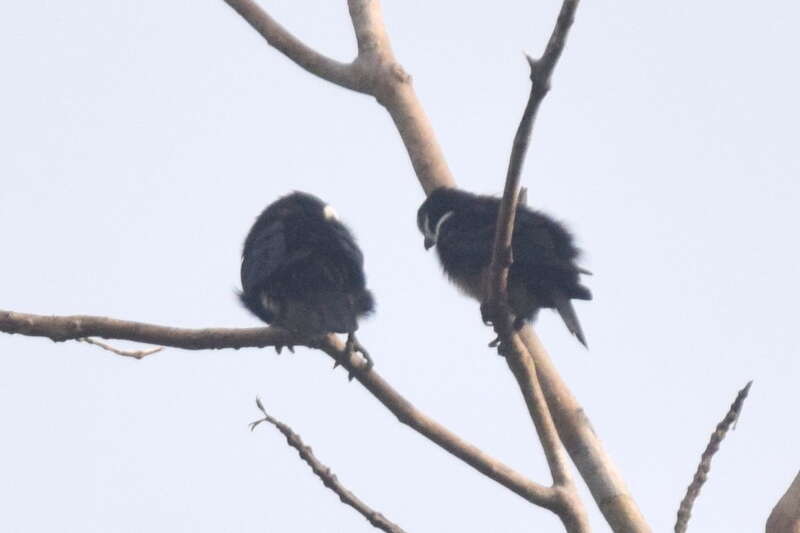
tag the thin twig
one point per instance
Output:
(328, 478)
(63, 328)
(136, 354)
(574, 430)
(700, 476)
(496, 304)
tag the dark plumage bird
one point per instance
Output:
(543, 275)
(303, 271)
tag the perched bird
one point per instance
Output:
(543, 275)
(303, 271)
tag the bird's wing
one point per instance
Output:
(465, 242)
(539, 243)
(264, 255)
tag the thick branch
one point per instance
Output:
(62, 328)
(785, 517)
(343, 74)
(584, 447)
(328, 478)
(374, 71)
(700, 476)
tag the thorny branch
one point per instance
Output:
(63, 328)
(685, 509)
(328, 478)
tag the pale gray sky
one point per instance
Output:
(140, 139)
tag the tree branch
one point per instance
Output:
(700, 476)
(785, 517)
(430, 166)
(63, 328)
(328, 478)
(583, 445)
(342, 74)
(496, 304)
(374, 71)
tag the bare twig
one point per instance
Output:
(575, 432)
(700, 476)
(63, 328)
(785, 516)
(136, 354)
(496, 305)
(328, 478)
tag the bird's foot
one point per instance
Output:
(279, 348)
(352, 346)
(486, 314)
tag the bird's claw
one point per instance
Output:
(486, 314)
(279, 348)
(352, 346)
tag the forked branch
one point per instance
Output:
(63, 328)
(572, 513)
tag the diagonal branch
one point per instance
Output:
(496, 304)
(328, 478)
(785, 516)
(63, 328)
(342, 74)
(700, 476)
(374, 71)
(574, 429)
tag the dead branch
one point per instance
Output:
(328, 478)
(342, 74)
(374, 71)
(583, 445)
(496, 305)
(136, 354)
(63, 328)
(700, 476)
(785, 516)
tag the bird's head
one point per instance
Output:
(437, 209)
(300, 204)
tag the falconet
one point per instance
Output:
(303, 271)
(544, 273)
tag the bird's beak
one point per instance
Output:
(428, 243)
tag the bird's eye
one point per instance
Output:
(329, 213)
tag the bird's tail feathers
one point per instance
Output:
(567, 312)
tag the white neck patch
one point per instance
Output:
(441, 221)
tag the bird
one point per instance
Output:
(303, 271)
(544, 272)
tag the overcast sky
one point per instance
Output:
(140, 139)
